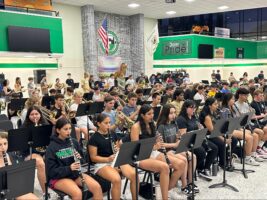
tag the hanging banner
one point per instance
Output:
(108, 65)
(34, 4)
(222, 32)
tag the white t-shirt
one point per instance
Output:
(130, 81)
(82, 120)
(111, 82)
(199, 97)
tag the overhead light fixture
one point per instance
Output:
(189, 0)
(170, 12)
(264, 37)
(133, 5)
(223, 7)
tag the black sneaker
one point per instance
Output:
(205, 174)
(187, 190)
(196, 189)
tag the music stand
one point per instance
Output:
(243, 121)
(76, 85)
(189, 142)
(41, 135)
(19, 140)
(17, 179)
(132, 152)
(156, 112)
(47, 101)
(17, 104)
(88, 96)
(147, 91)
(83, 110)
(164, 99)
(224, 127)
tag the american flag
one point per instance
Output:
(103, 33)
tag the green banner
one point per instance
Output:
(177, 47)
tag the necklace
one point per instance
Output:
(105, 136)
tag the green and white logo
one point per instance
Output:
(113, 43)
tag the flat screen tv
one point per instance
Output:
(205, 51)
(25, 39)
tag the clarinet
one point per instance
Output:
(163, 149)
(84, 185)
(5, 158)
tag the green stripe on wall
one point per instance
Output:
(28, 65)
(210, 65)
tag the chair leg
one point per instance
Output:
(46, 191)
(125, 185)
(108, 194)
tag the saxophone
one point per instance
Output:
(77, 160)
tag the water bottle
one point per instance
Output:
(214, 169)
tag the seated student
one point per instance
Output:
(207, 118)
(200, 94)
(178, 100)
(69, 95)
(169, 132)
(251, 143)
(241, 106)
(82, 120)
(102, 145)
(97, 97)
(205, 154)
(131, 109)
(116, 120)
(63, 171)
(145, 128)
(140, 93)
(258, 106)
(3, 162)
(213, 90)
(32, 101)
(33, 118)
(156, 99)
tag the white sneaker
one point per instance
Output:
(261, 153)
(251, 161)
(174, 194)
(258, 158)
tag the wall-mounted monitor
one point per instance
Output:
(205, 51)
(26, 39)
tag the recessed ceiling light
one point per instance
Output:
(189, 0)
(133, 5)
(170, 12)
(223, 7)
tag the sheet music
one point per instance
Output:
(115, 159)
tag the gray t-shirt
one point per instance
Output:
(168, 132)
(241, 108)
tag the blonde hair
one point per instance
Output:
(78, 93)
(3, 134)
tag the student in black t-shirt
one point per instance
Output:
(70, 81)
(170, 135)
(260, 114)
(102, 147)
(187, 122)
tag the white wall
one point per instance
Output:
(72, 61)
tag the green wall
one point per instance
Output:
(51, 23)
(252, 50)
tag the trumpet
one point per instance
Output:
(47, 114)
(128, 122)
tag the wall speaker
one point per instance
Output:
(38, 75)
(205, 51)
